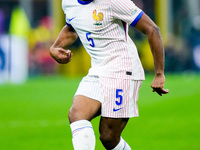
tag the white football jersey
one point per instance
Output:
(102, 26)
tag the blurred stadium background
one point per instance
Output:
(36, 92)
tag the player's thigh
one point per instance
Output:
(112, 127)
(84, 108)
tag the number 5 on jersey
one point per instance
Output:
(90, 39)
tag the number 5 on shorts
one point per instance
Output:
(118, 95)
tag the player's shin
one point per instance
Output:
(122, 145)
(83, 135)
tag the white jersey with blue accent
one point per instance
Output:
(102, 26)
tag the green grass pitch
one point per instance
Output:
(33, 116)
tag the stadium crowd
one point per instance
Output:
(182, 48)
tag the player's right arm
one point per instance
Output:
(58, 50)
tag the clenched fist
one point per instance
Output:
(61, 55)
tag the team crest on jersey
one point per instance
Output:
(98, 17)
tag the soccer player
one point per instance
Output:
(111, 87)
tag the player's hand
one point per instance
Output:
(158, 85)
(61, 55)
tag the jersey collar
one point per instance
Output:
(84, 2)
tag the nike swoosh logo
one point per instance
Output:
(117, 109)
(72, 18)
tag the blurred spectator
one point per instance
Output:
(194, 40)
(177, 55)
(40, 62)
(2, 20)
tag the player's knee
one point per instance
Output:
(105, 138)
(72, 115)
(109, 139)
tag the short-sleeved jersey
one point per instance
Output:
(102, 26)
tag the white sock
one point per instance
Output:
(83, 137)
(122, 145)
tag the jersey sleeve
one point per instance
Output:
(126, 11)
(67, 21)
(63, 8)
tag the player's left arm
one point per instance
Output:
(58, 50)
(152, 31)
